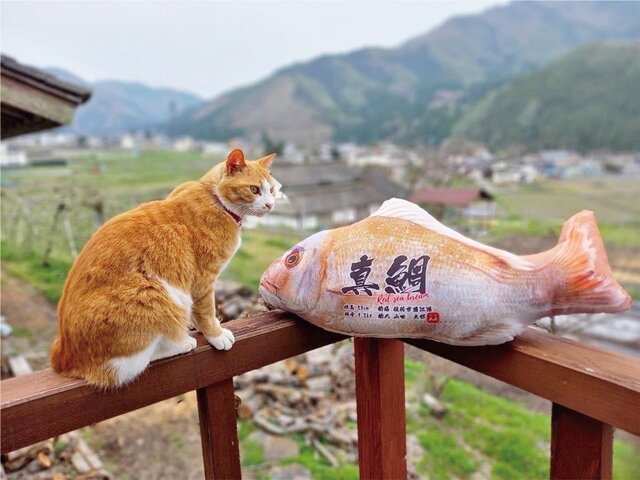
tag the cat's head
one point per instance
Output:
(246, 187)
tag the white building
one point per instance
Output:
(214, 149)
(12, 158)
(184, 144)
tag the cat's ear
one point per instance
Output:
(266, 161)
(235, 162)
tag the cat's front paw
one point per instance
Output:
(224, 341)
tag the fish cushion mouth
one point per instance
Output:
(301, 290)
(269, 297)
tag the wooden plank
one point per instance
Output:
(599, 383)
(51, 86)
(218, 430)
(37, 102)
(581, 447)
(37, 406)
(19, 366)
(382, 439)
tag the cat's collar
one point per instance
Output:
(237, 218)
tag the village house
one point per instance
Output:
(215, 149)
(11, 157)
(503, 173)
(468, 203)
(328, 194)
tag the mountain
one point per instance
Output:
(409, 93)
(118, 107)
(588, 99)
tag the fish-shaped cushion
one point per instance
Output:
(401, 273)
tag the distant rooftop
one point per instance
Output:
(297, 175)
(331, 186)
(454, 197)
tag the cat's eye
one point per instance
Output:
(293, 258)
(255, 190)
(272, 190)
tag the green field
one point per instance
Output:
(613, 199)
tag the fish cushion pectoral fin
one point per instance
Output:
(492, 334)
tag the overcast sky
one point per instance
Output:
(206, 47)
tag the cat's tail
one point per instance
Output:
(587, 283)
(56, 357)
(100, 375)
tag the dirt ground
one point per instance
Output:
(33, 319)
(161, 441)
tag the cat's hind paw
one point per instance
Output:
(224, 341)
(189, 344)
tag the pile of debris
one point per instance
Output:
(312, 395)
(64, 457)
(234, 301)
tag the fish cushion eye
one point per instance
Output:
(293, 258)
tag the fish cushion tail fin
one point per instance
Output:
(588, 283)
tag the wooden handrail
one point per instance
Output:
(592, 390)
(598, 383)
(41, 405)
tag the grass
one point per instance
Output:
(252, 455)
(444, 458)
(22, 332)
(251, 451)
(626, 461)
(627, 235)
(320, 468)
(612, 200)
(481, 428)
(178, 441)
(258, 250)
(49, 280)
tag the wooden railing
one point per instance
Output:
(592, 391)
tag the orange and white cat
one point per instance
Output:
(146, 274)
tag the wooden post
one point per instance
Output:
(382, 442)
(581, 446)
(218, 431)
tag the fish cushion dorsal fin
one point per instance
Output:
(405, 210)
